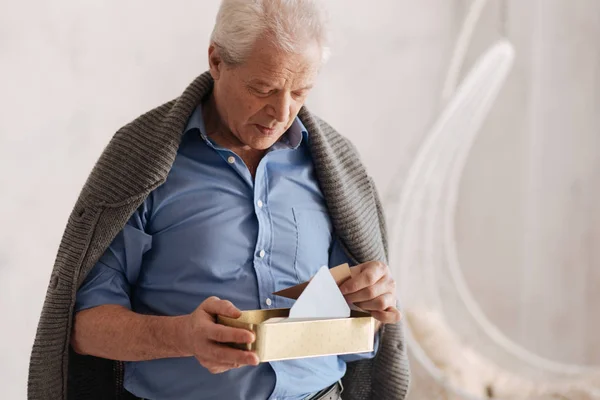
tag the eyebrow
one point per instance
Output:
(260, 82)
(307, 87)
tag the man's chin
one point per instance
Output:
(261, 142)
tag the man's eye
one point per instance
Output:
(299, 94)
(262, 92)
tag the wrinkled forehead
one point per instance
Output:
(266, 65)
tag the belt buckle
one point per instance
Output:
(326, 392)
(336, 388)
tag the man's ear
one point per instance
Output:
(215, 61)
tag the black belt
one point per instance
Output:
(331, 393)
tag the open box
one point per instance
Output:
(305, 338)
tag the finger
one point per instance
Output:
(219, 368)
(380, 303)
(226, 334)
(390, 316)
(214, 305)
(369, 293)
(368, 275)
(219, 353)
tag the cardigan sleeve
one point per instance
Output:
(110, 281)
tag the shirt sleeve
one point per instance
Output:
(338, 256)
(111, 279)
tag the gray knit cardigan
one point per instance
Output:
(136, 161)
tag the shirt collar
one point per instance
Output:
(196, 121)
(291, 139)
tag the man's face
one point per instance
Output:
(259, 99)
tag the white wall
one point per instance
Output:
(529, 211)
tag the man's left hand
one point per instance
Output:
(373, 289)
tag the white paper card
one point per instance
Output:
(321, 299)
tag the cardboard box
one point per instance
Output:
(305, 338)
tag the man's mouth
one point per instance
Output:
(266, 130)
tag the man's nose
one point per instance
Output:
(280, 107)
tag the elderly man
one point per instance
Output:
(205, 206)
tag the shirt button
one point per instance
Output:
(262, 253)
(269, 302)
(259, 204)
(231, 159)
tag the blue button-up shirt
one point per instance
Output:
(213, 230)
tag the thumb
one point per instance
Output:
(356, 270)
(214, 305)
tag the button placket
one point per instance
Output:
(262, 252)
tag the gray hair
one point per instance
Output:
(290, 24)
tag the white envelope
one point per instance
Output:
(321, 299)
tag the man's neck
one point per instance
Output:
(217, 131)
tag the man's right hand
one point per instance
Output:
(206, 338)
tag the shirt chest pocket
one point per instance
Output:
(313, 241)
